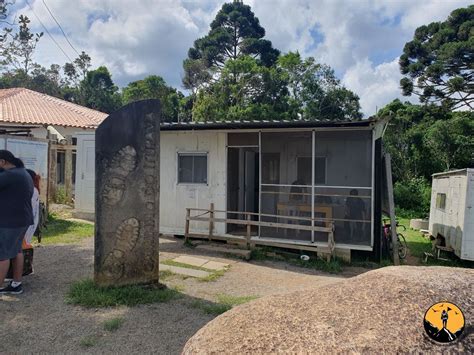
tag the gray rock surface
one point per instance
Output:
(380, 311)
(127, 195)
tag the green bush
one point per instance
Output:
(412, 197)
(61, 196)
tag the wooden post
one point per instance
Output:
(68, 173)
(211, 222)
(186, 228)
(52, 174)
(391, 207)
(249, 230)
(331, 242)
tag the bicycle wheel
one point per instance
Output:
(402, 246)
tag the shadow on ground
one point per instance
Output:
(41, 321)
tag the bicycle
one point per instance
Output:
(402, 244)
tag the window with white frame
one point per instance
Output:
(192, 168)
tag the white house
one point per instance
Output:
(39, 129)
(322, 170)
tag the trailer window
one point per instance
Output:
(441, 201)
(192, 168)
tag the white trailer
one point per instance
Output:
(452, 211)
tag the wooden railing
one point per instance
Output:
(254, 219)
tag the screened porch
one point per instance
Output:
(321, 176)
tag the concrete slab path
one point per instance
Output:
(191, 260)
(184, 271)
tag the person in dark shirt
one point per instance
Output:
(355, 213)
(16, 215)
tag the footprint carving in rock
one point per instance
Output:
(126, 238)
(123, 163)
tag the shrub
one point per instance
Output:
(412, 197)
(61, 196)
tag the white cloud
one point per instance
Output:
(377, 85)
(133, 39)
(136, 38)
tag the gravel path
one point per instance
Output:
(41, 321)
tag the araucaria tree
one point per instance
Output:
(438, 63)
(234, 74)
(235, 32)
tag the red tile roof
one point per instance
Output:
(24, 106)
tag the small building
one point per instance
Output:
(31, 121)
(310, 173)
(452, 211)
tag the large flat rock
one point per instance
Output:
(378, 312)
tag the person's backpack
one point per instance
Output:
(42, 221)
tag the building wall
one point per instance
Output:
(174, 197)
(468, 237)
(41, 132)
(449, 222)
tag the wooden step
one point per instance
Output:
(242, 253)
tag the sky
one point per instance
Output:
(361, 39)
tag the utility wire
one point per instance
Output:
(64, 34)
(49, 34)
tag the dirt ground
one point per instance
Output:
(41, 321)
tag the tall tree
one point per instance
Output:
(316, 92)
(424, 140)
(245, 90)
(451, 142)
(154, 87)
(18, 47)
(74, 74)
(78, 69)
(99, 91)
(235, 32)
(438, 62)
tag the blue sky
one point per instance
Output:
(360, 39)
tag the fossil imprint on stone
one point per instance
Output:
(126, 238)
(122, 164)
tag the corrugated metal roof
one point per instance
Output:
(454, 172)
(245, 124)
(24, 106)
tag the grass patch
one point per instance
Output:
(165, 274)
(88, 341)
(189, 244)
(224, 304)
(186, 266)
(334, 266)
(213, 274)
(113, 324)
(261, 253)
(86, 293)
(61, 231)
(214, 309)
